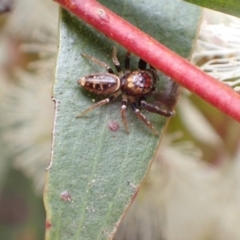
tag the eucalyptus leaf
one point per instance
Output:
(231, 7)
(95, 167)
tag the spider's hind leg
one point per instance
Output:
(96, 105)
(123, 112)
(116, 62)
(100, 63)
(99, 104)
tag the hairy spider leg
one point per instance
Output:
(100, 63)
(123, 112)
(116, 62)
(127, 61)
(143, 118)
(155, 109)
(99, 104)
(142, 65)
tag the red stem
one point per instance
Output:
(213, 91)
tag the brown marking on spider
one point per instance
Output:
(134, 86)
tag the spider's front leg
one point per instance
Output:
(143, 118)
(155, 109)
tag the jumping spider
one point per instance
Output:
(133, 85)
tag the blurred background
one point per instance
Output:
(28, 46)
(198, 162)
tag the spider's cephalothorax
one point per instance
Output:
(133, 85)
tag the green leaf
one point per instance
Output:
(231, 7)
(94, 169)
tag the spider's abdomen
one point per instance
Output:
(137, 83)
(100, 83)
